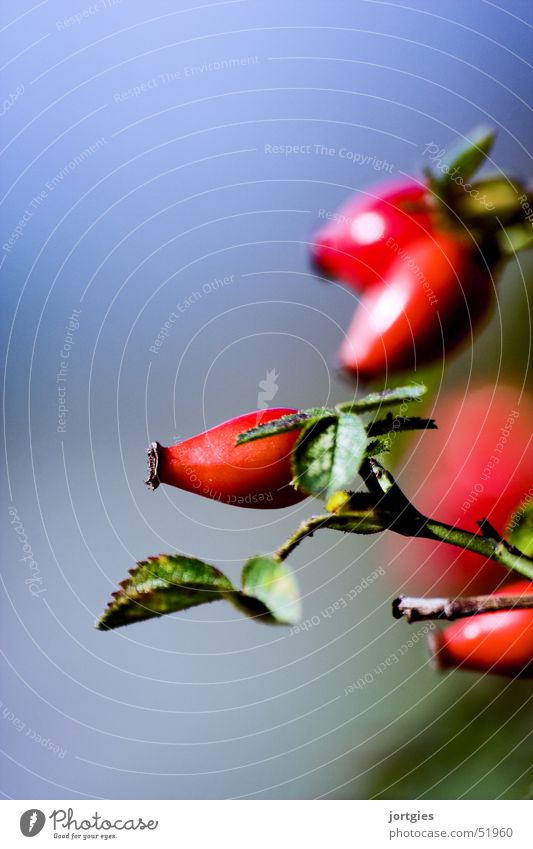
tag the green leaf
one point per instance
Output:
(466, 157)
(520, 530)
(268, 592)
(162, 585)
(491, 202)
(291, 421)
(397, 424)
(328, 454)
(387, 398)
(174, 582)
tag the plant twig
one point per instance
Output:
(393, 511)
(410, 522)
(498, 549)
(306, 529)
(362, 521)
(419, 609)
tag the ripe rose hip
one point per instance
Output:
(257, 474)
(500, 642)
(478, 464)
(353, 246)
(433, 295)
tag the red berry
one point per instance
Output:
(360, 242)
(478, 464)
(501, 642)
(433, 295)
(257, 474)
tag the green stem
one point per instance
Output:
(386, 507)
(410, 525)
(353, 522)
(306, 529)
(495, 549)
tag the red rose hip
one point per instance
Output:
(434, 294)
(358, 244)
(256, 474)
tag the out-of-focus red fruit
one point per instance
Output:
(360, 241)
(478, 464)
(256, 474)
(434, 294)
(500, 643)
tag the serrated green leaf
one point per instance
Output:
(164, 584)
(387, 398)
(520, 530)
(268, 592)
(291, 421)
(465, 158)
(173, 582)
(328, 454)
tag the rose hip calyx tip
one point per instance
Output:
(152, 481)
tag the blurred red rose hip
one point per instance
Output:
(434, 295)
(478, 464)
(352, 247)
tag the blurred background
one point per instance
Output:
(145, 172)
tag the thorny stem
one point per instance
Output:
(420, 609)
(394, 511)
(495, 549)
(410, 522)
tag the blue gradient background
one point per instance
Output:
(180, 192)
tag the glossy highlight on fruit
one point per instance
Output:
(435, 293)
(358, 243)
(500, 643)
(256, 474)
